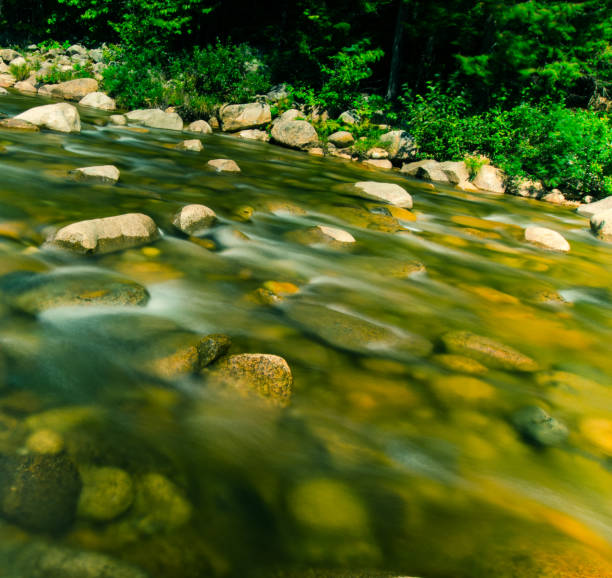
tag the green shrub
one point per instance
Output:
(20, 71)
(55, 75)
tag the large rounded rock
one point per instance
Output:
(411, 169)
(37, 292)
(107, 493)
(155, 118)
(25, 87)
(487, 351)
(98, 100)
(590, 209)
(106, 174)
(39, 492)
(546, 238)
(341, 139)
(387, 192)
(194, 219)
(296, 134)
(200, 126)
(8, 54)
(538, 428)
(62, 117)
(350, 332)
(399, 144)
(108, 234)
(267, 376)
(236, 117)
(601, 224)
(490, 179)
(75, 89)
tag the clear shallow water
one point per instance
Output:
(387, 460)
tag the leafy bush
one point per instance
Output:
(55, 75)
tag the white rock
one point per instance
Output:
(98, 100)
(336, 234)
(200, 126)
(193, 219)
(190, 145)
(224, 165)
(379, 163)
(18, 61)
(546, 238)
(108, 234)
(388, 192)
(156, 118)
(297, 134)
(235, 117)
(62, 117)
(490, 179)
(601, 224)
(118, 119)
(590, 209)
(105, 174)
(25, 87)
(254, 134)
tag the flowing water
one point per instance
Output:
(394, 457)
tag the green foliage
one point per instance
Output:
(474, 163)
(55, 75)
(20, 71)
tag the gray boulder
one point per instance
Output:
(105, 174)
(236, 117)
(108, 234)
(75, 89)
(399, 144)
(590, 209)
(25, 87)
(193, 145)
(411, 169)
(341, 139)
(296, 134)
(601, 224)
(387, 192)
(547, 238)
(200, 126)
(156, 118)
(61, 117)
(490, 179)
(8, 54)
(254, 134)
(349, 117)
(193, 219)
(98, 100)
(224, 165)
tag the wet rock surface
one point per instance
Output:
(539, 428)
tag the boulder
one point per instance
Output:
(291, 114)
(490, 179)
(61, 117)
(7, 80)
(399, 144)
(234, 117)
(117, 119)
(3, 91)
(387, 192)
(98, 100)
(254, 134)
(601, 224)
(377, 153)
(96, 54)
(39, 492)
(546, 238)
(487, 351)
(334, 234)
(433, 173)
(76, 49)
(193, 145)
(17, 124)
(411, 169)
(37, 292)
(105, 174)
(18, 61)
(46, 90)
(8, 54)
(379, 163)
(349, 117)
(590, 209)
(200, 126)
(538, 428)
(194, 219)
(341, 139)
(266, 376)
(296, 134)
(155, 118)
(75, 89)
(224, 165)
(25, 87)
(527, 188)
(278, 92)
(107, 234)
(458, 174)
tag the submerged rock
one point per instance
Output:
(224, 165)
(212, 347)
(98, 100)
(106, 174)
(107, 234)
(538, 428)
(107, 493)
(334, 234)
(61, 117)
(194, 219)
(349, 332)
(236, 117)
(156, 118)
(18, 124)
(37, 292)
(193, 145)
(601, 224)
(267, 376)
(487, 351)
(546, 238)
(39, 492)
(387, 192)
(45, 441)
